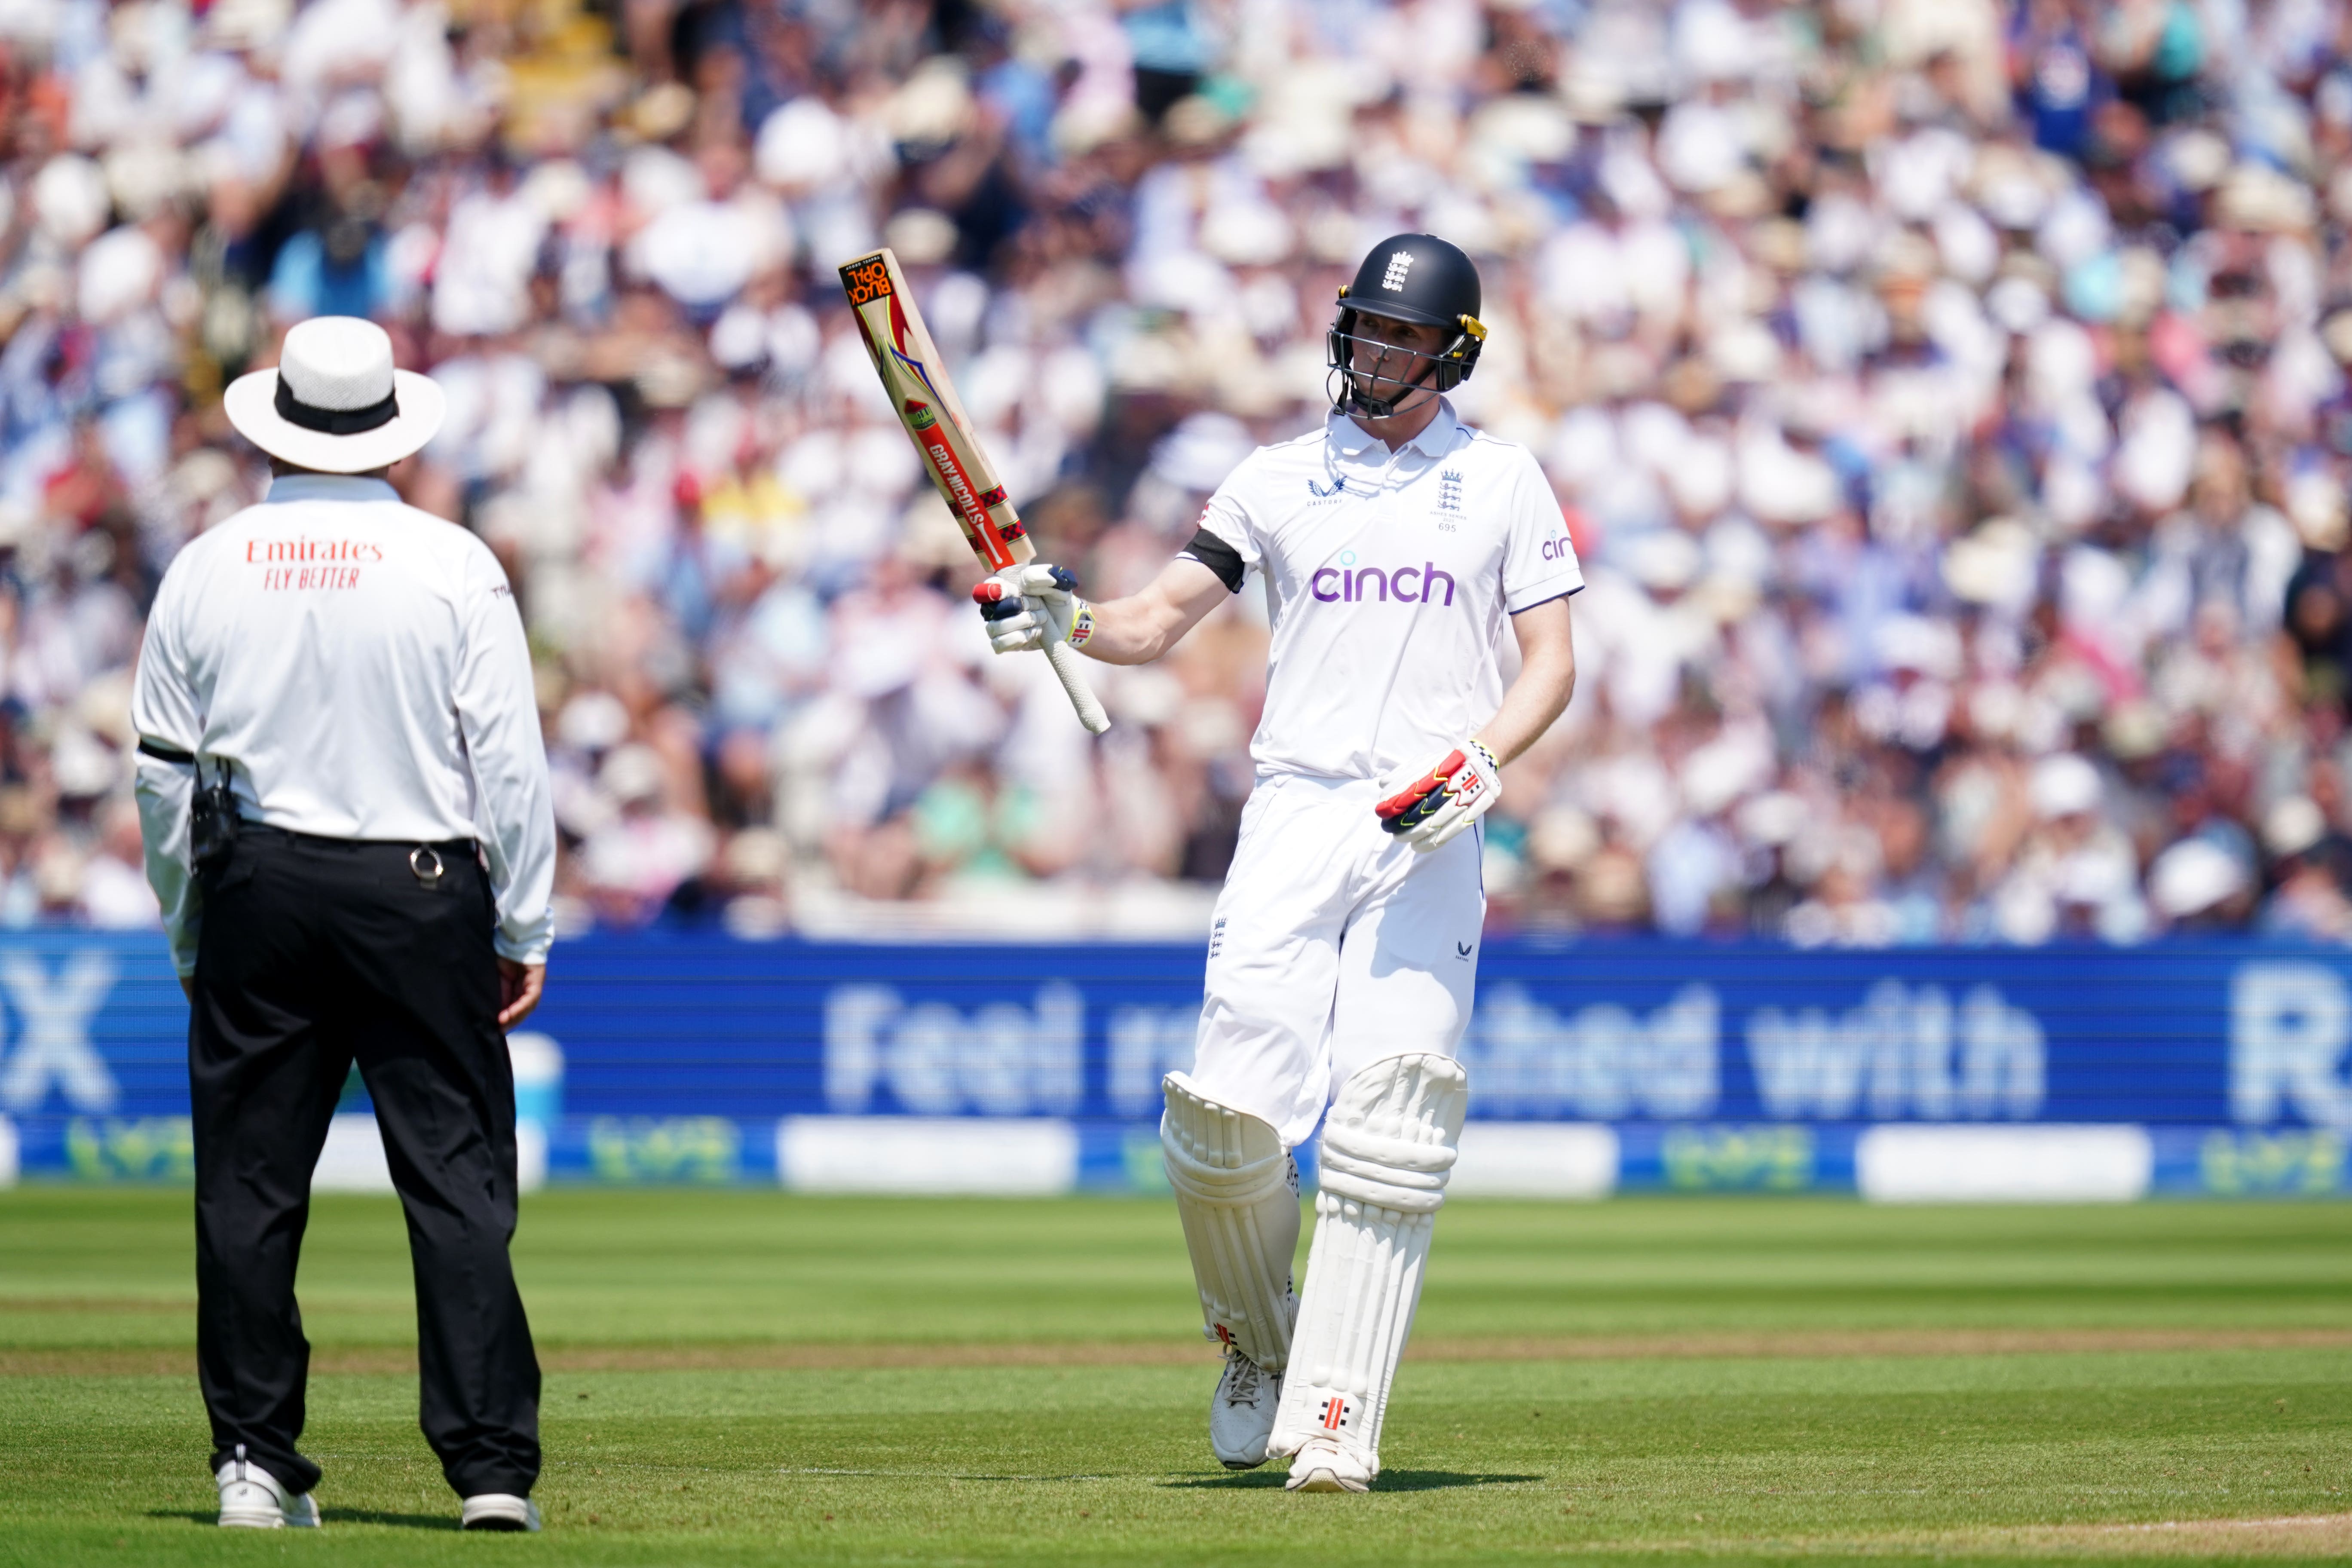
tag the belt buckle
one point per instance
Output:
(425, 862)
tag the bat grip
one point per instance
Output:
(1066, 663)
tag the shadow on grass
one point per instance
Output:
(333, 1516)
(400, 1520)
(1439, 1480)
(1390, 1481)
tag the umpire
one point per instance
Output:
(345, 804)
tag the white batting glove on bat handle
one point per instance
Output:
(1027, 606)
(1446, 799)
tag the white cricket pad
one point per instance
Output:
(1388, 1145)
(1237, 1192)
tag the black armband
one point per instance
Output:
(164, 754)
(1219, 557)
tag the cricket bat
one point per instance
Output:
(909, 363)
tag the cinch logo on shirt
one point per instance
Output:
(1348, 583)
(1558, 550)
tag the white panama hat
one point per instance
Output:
(334, 403)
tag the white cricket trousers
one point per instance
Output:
(1333, 945)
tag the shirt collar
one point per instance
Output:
(1435, 438)
(329, 487)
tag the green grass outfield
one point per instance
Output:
(743, 1377)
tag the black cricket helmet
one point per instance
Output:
(1415, 278)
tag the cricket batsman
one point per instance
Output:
(1395, 543)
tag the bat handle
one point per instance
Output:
(1066, 663)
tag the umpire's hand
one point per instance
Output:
(518, 988)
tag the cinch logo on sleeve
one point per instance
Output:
(1558, 550)
(1348, 583)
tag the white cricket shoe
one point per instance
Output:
(1325, 1466)
(499, 1510)
(1241, 1413)
(252, 1499)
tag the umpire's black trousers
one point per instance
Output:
(313, 952)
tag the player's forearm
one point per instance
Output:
(1025, 605)
(1142, 627)
(1539, 696)
(1133, 630)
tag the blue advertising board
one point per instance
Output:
(700, 1058)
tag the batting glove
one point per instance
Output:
(1446, 799)
(1028, 607)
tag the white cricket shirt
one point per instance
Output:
(360, 668)
(1388, 577)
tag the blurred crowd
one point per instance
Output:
(1947, 397)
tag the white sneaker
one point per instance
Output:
(1325, 1466)
(1241, 1413)
(499, 1510)
(252, 1499)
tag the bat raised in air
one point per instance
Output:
(909, 363)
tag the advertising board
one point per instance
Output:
(2084, 1072)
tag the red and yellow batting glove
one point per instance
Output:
(1446, 799)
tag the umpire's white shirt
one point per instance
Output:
(1388, 577)
(362, 668)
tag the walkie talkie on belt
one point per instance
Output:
(211, 812)
(212, 819)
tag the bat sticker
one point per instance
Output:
(866, 283)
